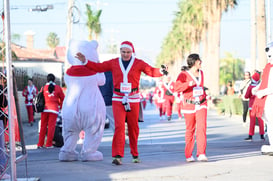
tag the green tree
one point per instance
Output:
(52, 40)
(15, 37)
(197, 23)
(3, 52)
(93, 22)
(231, 68)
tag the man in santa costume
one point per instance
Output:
(83, 107)
(169, 97)
(179, 103)
(126, 71)
(159, 99)
(262, 106)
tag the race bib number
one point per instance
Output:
(197, 91)
(125, 87)
(30, 97)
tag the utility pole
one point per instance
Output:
(268, 24)
(68, 30)
(253, 38)
(261, 33)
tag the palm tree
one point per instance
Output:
(52, 40)
(261, 33)
(197, 22)
(214, 10)
(253, 44)
(93, 22)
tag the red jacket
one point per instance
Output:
(169, 88)
(29, 93)
(249, 95)
(182, 85)
(53, 101)
(159, 94)
(115, 66)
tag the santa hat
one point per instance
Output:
(256, 77)
(127, 44)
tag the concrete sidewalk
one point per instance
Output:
(161, 149)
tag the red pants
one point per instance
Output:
(144, 104)
(30, 114)
(120, 115)
(162, 109)
(48, 123)
(169, 104)
(252, 125)
(178, 107)
(196, 121)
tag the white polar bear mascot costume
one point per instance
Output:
(263, 103)
(83, 106)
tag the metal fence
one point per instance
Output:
(39, 80)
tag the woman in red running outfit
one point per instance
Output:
(54, 97)
(191, 83)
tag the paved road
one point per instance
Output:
(161, 148)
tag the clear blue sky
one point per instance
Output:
(145, 23)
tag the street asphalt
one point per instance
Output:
(161, 148)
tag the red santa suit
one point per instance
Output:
(29, 93)
(169, 97)
(179, 103)
(125, 80)
(160, 100)
(194, 109)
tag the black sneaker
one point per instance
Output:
(136, 159)
(117, 160)
(262, 137)
(249, 138)
(107, 125)
(169, 118)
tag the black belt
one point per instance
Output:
(195, 102)
(133, 90)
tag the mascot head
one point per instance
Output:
(87, 48)
(269, 52)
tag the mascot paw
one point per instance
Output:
(267, 150)
(95, 156)
(68, 156)
(164, 69)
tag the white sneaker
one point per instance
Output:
(202, 158)
(5, 176)
(191, 159)
(80, 141)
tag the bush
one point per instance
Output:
(230, 105)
